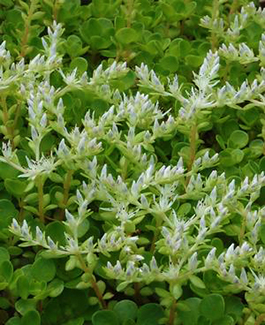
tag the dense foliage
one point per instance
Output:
(132, 182)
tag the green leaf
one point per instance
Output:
(169, 63)
(79, 63)
(256, 146)
(150, 314)
(56, 231)
(190, 317)
(195, 280)
(234, 307)
(6, 3)
(43, 269)
(238, 139)
(4, 303)
(47, 143)
(249, 116)
(184, 209)
(226, 320)
(262, 233)
(177, 291)
(14, 321)
(213, 282)
(77, 321)
(194, 61)
(122, 286)
(23, 306)
(126, 35)
(23, 286)
(7, 171)
(4, 255)
(212, 307)
(83, 228)
(237, 156)
(90, 28)
(184, 48)
(15, 186)
(220, 141)
(146, 291)
(73, 45)
(227, 130)
(104, 317)
(203, 321)
(31, 317)
(128, 322)
(7, 211)
(55, 288)
(226, 158)
(6, 270)
(162, 292)
(218, 243)
(183, 306)
(126, 309)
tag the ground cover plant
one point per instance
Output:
(132, 162)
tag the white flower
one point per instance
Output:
(44, 166)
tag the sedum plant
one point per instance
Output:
(136, 207)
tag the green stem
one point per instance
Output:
(16, 116)
(56, 8)
(215, 13)
(40, 196)
(159, 220)
(260, 319)
(10, 130)
(124, 170)
(92, 281)
(137, 296)
(25, 37)
(243, 227)
(193, 138)
(172, 313)
(67, 185)
(233, 8)
(21, 211)
(129, 12)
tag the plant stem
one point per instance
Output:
(16, 116)
(21, 211)
(98, 294)
(56, 8)
(260, 319)
(25, 36)
(40, 195)
(92, 281)
(193, 138)
(172, 313)
(159, 219)
(243, 227)
(137, 293)
(233, 8)
(215, 13)
(10, 131)
(129, 12)
(66, 186)
(124, 170)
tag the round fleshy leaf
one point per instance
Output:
(238, 139)
(126, 309)
(126, 35)
(212, 307)
(150, 314)
(31, 317)
(104, 317)
(43, 269)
